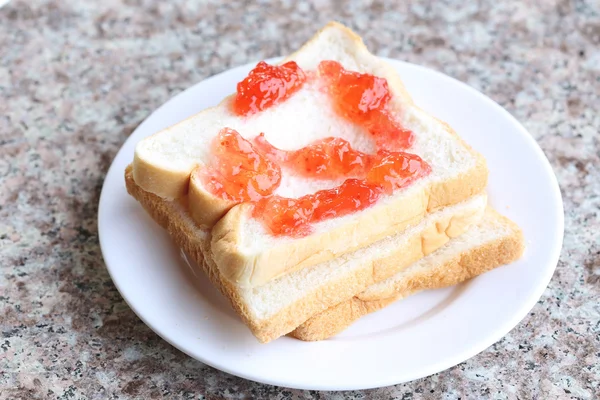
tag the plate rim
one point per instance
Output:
(444, 364)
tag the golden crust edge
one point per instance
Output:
(459, 268)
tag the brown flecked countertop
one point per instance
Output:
(77, 77)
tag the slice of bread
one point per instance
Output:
(241, 249)
(494, 241)
(281, 305)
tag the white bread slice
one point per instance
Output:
(241, 248)
(278, 307)
(493, 242)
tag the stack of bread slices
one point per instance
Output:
(437, 231)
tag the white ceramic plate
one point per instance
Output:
(413, 338)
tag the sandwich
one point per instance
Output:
(316, 181)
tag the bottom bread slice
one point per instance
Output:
(278, 307)
(493, 242)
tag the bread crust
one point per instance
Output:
(174, 217)
(459, 268)
(169, 184)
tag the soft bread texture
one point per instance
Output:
(493, 242)
(281, 305)
(241, 248)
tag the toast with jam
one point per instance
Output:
(316, 179)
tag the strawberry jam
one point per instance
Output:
(292, 217)
(329, 158)
(237, 171)
(267, 85)
(334, 158)
(396, 170)
(362, 99)
(244, 171)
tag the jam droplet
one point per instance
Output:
(396, 170)
(328, 158)
(237, 172)
(362, 99)
(267, 85)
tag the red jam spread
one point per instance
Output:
(334, 158)
(267, 85)
(292, 217)
(396, 170)
(329, 158)
(244, 171)
(237, 172)
(373, 174)
(362, 99)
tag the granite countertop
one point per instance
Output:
(76, 78)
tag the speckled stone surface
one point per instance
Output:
(77, 77)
